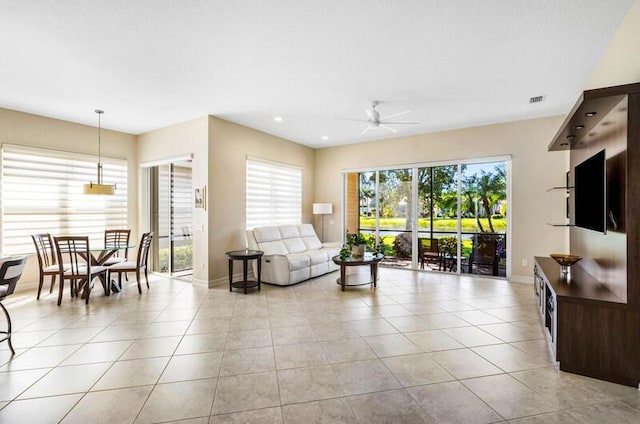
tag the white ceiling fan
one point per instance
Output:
(375, 121)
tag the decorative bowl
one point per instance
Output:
(565, 260)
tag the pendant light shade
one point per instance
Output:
(99, 187)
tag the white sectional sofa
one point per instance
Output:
(292, 253)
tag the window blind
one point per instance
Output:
(181, 202)
(274, 194)
(42, 192)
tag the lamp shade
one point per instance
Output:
(93, 188)
(322, 208)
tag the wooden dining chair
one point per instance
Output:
(47, 263)
(117, 238)
(80, 271)
(10, 273)
(138, 266)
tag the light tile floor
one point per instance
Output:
(422, 347)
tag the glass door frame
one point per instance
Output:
(414, 190)
(149, 183)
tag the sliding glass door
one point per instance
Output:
(395, 216)
(446, 218)
(438, 224)
(484, 218)
(171, 206)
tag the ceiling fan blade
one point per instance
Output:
(351, 119)
(399, 122)
(388, 128)
(364, 131)
(393, 115)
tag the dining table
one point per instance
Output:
(99, 256)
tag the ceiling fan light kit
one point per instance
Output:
(375, 121)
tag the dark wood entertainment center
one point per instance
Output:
(593, 316)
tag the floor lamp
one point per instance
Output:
(322, 209)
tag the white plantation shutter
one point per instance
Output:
(274, 194)
(42, 192)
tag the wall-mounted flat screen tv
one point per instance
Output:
(589, 193)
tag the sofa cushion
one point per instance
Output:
(276, 247)
(294, 245)
(331, 251)
(291, 238)
(312, 243)
(298, 261)
(309, 237)
(317, 256)
(306, 230)
(289, 231)
(263, 234)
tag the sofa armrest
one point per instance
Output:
(275, 269)
(275, 260)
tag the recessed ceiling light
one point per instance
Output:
(325, 137)
(579, 127)
(278, 119)
(590, 114)
(571, 137)
(564, 144)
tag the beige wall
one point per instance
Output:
(37, 131)
(187, 138)
(533, 170)
(230, 144)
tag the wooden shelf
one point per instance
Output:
(580, 286)
(601, 101)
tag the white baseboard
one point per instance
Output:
(203, 283)
(225, 279)
(33, 286)
(524, 279)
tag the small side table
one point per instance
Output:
(245, 256)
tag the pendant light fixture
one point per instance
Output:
(99, 187)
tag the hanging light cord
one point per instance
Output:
(99, 112)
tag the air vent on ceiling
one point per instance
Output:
(536, 99)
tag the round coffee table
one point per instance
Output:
(245, 256)
(371, 259)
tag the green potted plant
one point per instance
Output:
(356, 243)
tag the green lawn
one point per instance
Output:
(183, 258)
(388, 242)
(468, 224)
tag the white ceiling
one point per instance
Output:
(154, 63)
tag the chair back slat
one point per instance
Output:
(10, 273)
(44, 249)
(76, 250)
(143, 250)
(117, 238)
